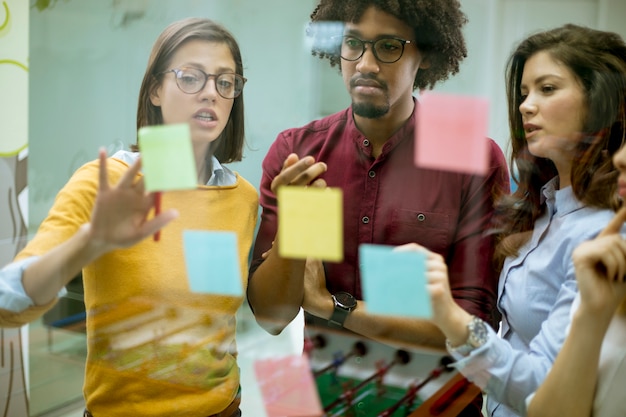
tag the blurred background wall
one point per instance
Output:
(87, 58)
(70, 71)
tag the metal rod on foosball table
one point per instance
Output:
(413, 389)
(359, 349)
(402, 357)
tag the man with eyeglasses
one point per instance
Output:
(386, 50)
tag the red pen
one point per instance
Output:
(157, 210)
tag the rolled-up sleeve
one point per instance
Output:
(12, 295)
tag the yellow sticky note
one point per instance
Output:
(167, 157)
(310, 223)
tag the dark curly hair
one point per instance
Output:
(598, 61)
(436, 24)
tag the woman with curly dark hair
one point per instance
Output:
(385, 51)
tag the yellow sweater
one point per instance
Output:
(155, 348)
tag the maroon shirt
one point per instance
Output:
(389, 201)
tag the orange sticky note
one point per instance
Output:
(288, 387)
(310, 223)
(451, 133)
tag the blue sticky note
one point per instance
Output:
(212, 260)
(393, 282)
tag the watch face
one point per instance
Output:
(478, 332)
(345, 300)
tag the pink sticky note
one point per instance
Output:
(451, 133)
(288, 387)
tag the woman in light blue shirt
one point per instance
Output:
(566, 94)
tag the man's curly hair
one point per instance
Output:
(437, 27)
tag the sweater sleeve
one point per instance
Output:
(71, 209)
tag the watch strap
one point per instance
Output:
(339, 317)
(477, 337)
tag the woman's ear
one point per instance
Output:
(154, 97)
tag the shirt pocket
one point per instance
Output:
(427, 228)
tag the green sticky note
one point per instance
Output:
(167, 157)
(310, 223)
(393, 282)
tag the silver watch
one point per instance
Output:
(478, 335)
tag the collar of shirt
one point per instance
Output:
(559, 201)
(220, 176)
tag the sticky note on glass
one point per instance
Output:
(310, 223)
(287, 387)
(450, 133)
(212, 261)
(167, 157)
(394, 282)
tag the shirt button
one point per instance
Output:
(365, 219)
(366, 142)
(421, 217)
(372, 174)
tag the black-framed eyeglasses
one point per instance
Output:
(386, 50)
(191, 80)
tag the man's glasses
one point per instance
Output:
(386, 50)
(192, 80)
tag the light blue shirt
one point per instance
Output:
(535, 294)
(12, 294)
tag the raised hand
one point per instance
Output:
(119, 217)
(601, 268)
(316, 296)
(298, 171)
(447, 314)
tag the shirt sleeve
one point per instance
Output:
(13, 297)
(510, 375)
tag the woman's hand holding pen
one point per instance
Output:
(119, 218)
(601, 268)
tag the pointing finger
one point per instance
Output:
(616, 223)
(102, 173)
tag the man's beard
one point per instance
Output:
(369, 111)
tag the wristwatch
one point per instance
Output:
(478, 335)
(345, 303)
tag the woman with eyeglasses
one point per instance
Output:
(154, 347)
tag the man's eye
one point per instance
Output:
(388, 46)
(352, 43)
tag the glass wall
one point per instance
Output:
(85, 64)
